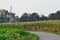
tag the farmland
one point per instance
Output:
(46, 26)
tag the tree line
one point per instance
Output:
(5, 16)
(36, 17)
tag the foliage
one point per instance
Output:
(35, 17)
(54, 16)
(15, 34)
(24, 17)
(29, 17)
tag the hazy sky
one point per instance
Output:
(40, 6)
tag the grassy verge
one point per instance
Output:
(15, 34)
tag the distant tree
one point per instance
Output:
(43, 17)
(17, 18)
(52, 16)
(3, 15)
(57, 15)
(24, 18)
(34, 17)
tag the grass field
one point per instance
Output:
(47, 26)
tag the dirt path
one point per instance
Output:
(47, 36)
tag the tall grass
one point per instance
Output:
(48, 26)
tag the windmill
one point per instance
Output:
(10, 8)
(12, 15)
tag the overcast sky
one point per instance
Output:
(19, 7)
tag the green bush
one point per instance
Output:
(15, 34)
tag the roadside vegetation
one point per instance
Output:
(15, 34)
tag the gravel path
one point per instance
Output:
(47, 36)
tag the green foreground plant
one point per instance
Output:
(15, 34)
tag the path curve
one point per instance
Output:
(47, 36)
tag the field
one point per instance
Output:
(46, 26)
